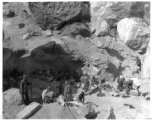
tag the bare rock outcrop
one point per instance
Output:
(112, 12)
(53, 15)
(119, 56)
(102, 27)
(12, 97)
(135, 33)
(141, 10)
(28, 110)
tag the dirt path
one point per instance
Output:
(56, 111)
(121, 112)
(140, 111)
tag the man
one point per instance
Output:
(44, 94)
(100, 85)
(92, 81)
(112, 115)
(24, 90)
(120, 81)
(137, 84)
(81, 97)
(86, 81)
(67, 91)
(128, 85)
(47, 95)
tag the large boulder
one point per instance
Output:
(12, 97)
(135, 33)
(28, 110)
(53, 15)
(45, 53)
(102, 27)
(113, 12)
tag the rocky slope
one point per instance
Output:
(84, 33)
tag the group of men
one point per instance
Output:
(127, 84)
(66, 91)
(20, 81)
(65, 87)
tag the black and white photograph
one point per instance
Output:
(76, 60)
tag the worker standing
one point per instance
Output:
(24, 90)
(67, 91)
(81, 97)
(85, 79)
(100, 86)
(128, 85)
(120, 81)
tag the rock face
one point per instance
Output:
(8, 59)
(113, 12)
(12, 97)
(109, 10)
(135, 33)
(141, 10)
(119, 55)
(53, 15)
(145, 87)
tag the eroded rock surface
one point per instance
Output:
(119, 56)
(135, 33)
(112, 12)
(53, 15)
(12, 97)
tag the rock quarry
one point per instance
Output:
(112, 37)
